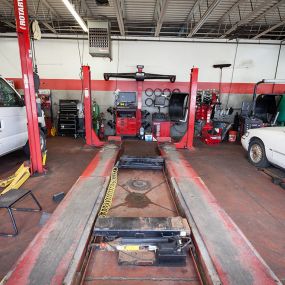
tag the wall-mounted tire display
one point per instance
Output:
(157, 92)
(166, 92)
(149, 92)
(148, 102)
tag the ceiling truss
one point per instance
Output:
(207, 19)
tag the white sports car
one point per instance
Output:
(265, 145)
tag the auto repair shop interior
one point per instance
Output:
(142, 142)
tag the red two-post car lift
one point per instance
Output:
(22, 24)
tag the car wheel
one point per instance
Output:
(256, 153)
(42, 143)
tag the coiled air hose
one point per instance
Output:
(110, 193)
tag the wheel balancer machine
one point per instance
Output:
(128, 106)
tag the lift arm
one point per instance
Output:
(139, 75)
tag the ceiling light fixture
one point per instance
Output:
(72, 10)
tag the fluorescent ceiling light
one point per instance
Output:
(75, 15)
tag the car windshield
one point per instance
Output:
(8, 96)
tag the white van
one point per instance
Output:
(13, 121)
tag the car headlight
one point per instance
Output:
(245, 135)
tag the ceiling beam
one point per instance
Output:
(9, 4)
(48, 26)
(193, 10)
(50, 8)
(123, 7)
(8, 23)
(204, 18)
(228, 12)
(268, 30)
(86, 7)
(160, 18)
(268, 11)
(223, 18)
(246, 19)
(119, 13)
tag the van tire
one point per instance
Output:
(43, 143)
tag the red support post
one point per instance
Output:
(139, 109)
(187, 139)
(22, 23)
(90, 135)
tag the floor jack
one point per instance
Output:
(22, 174)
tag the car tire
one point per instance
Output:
(42, 142)
(256, 153)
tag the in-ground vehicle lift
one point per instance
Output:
(150, 211)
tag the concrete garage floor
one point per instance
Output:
(66, 160)
(247, 195)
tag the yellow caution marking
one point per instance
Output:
(129, 247)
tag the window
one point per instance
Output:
(8, 97)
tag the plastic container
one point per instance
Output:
(232, 136)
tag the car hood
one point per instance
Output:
(267, 130)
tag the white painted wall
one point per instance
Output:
(59, 58)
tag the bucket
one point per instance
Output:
(232, 136)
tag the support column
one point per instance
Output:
(139, 109)
(187, 139)
(22, 23)
(90, 135)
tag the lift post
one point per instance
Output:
(90, 135)
(22, 23)
(187, 139)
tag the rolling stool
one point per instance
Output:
(9, 199)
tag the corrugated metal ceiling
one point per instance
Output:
(172, 18)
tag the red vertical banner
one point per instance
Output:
(22, 25)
